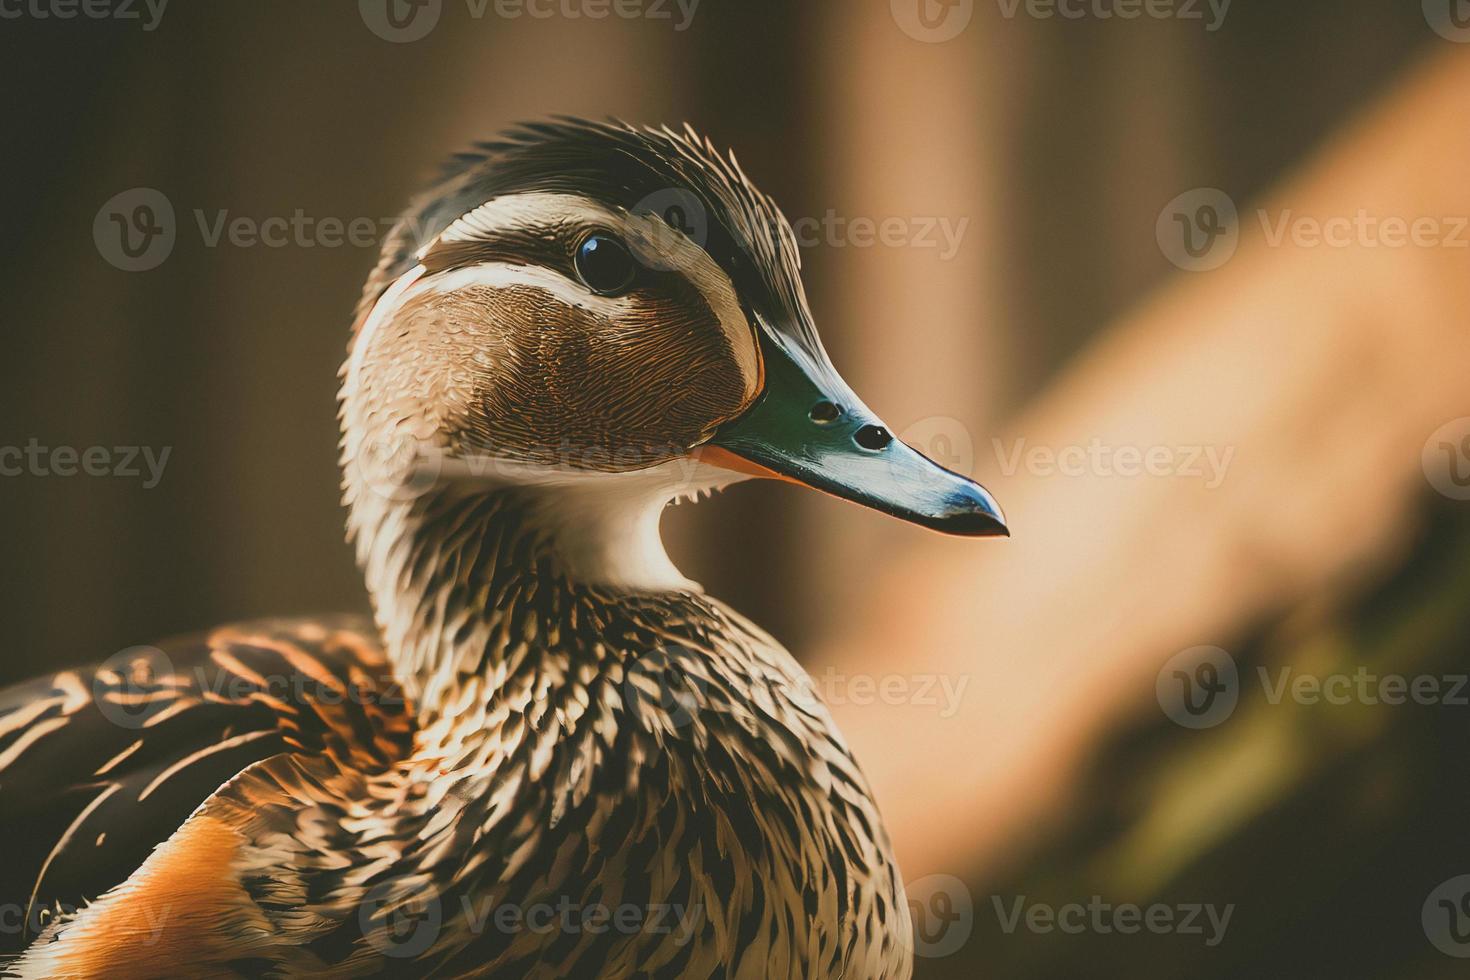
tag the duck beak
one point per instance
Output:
(808, 427)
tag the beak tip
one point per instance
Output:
(976, 515)
(976, 526)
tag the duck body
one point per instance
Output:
(549, 754)
(629, 784)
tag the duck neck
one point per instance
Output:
(469, 586)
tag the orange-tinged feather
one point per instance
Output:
(182, 910)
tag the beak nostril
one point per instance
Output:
(872, 437)
(824, 412)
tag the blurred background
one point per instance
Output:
(1187, 284)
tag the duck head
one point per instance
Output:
(615, 309)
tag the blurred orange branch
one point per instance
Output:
(1321, 370)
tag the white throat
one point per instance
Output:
(600, 529)
(605, 529)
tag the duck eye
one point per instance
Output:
(605, 265)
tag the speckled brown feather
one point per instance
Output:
(97, 765)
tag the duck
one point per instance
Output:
(547, 753)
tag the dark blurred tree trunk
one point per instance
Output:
(1326, 826)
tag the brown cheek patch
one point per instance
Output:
(526, 376)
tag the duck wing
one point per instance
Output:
(99, 765)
